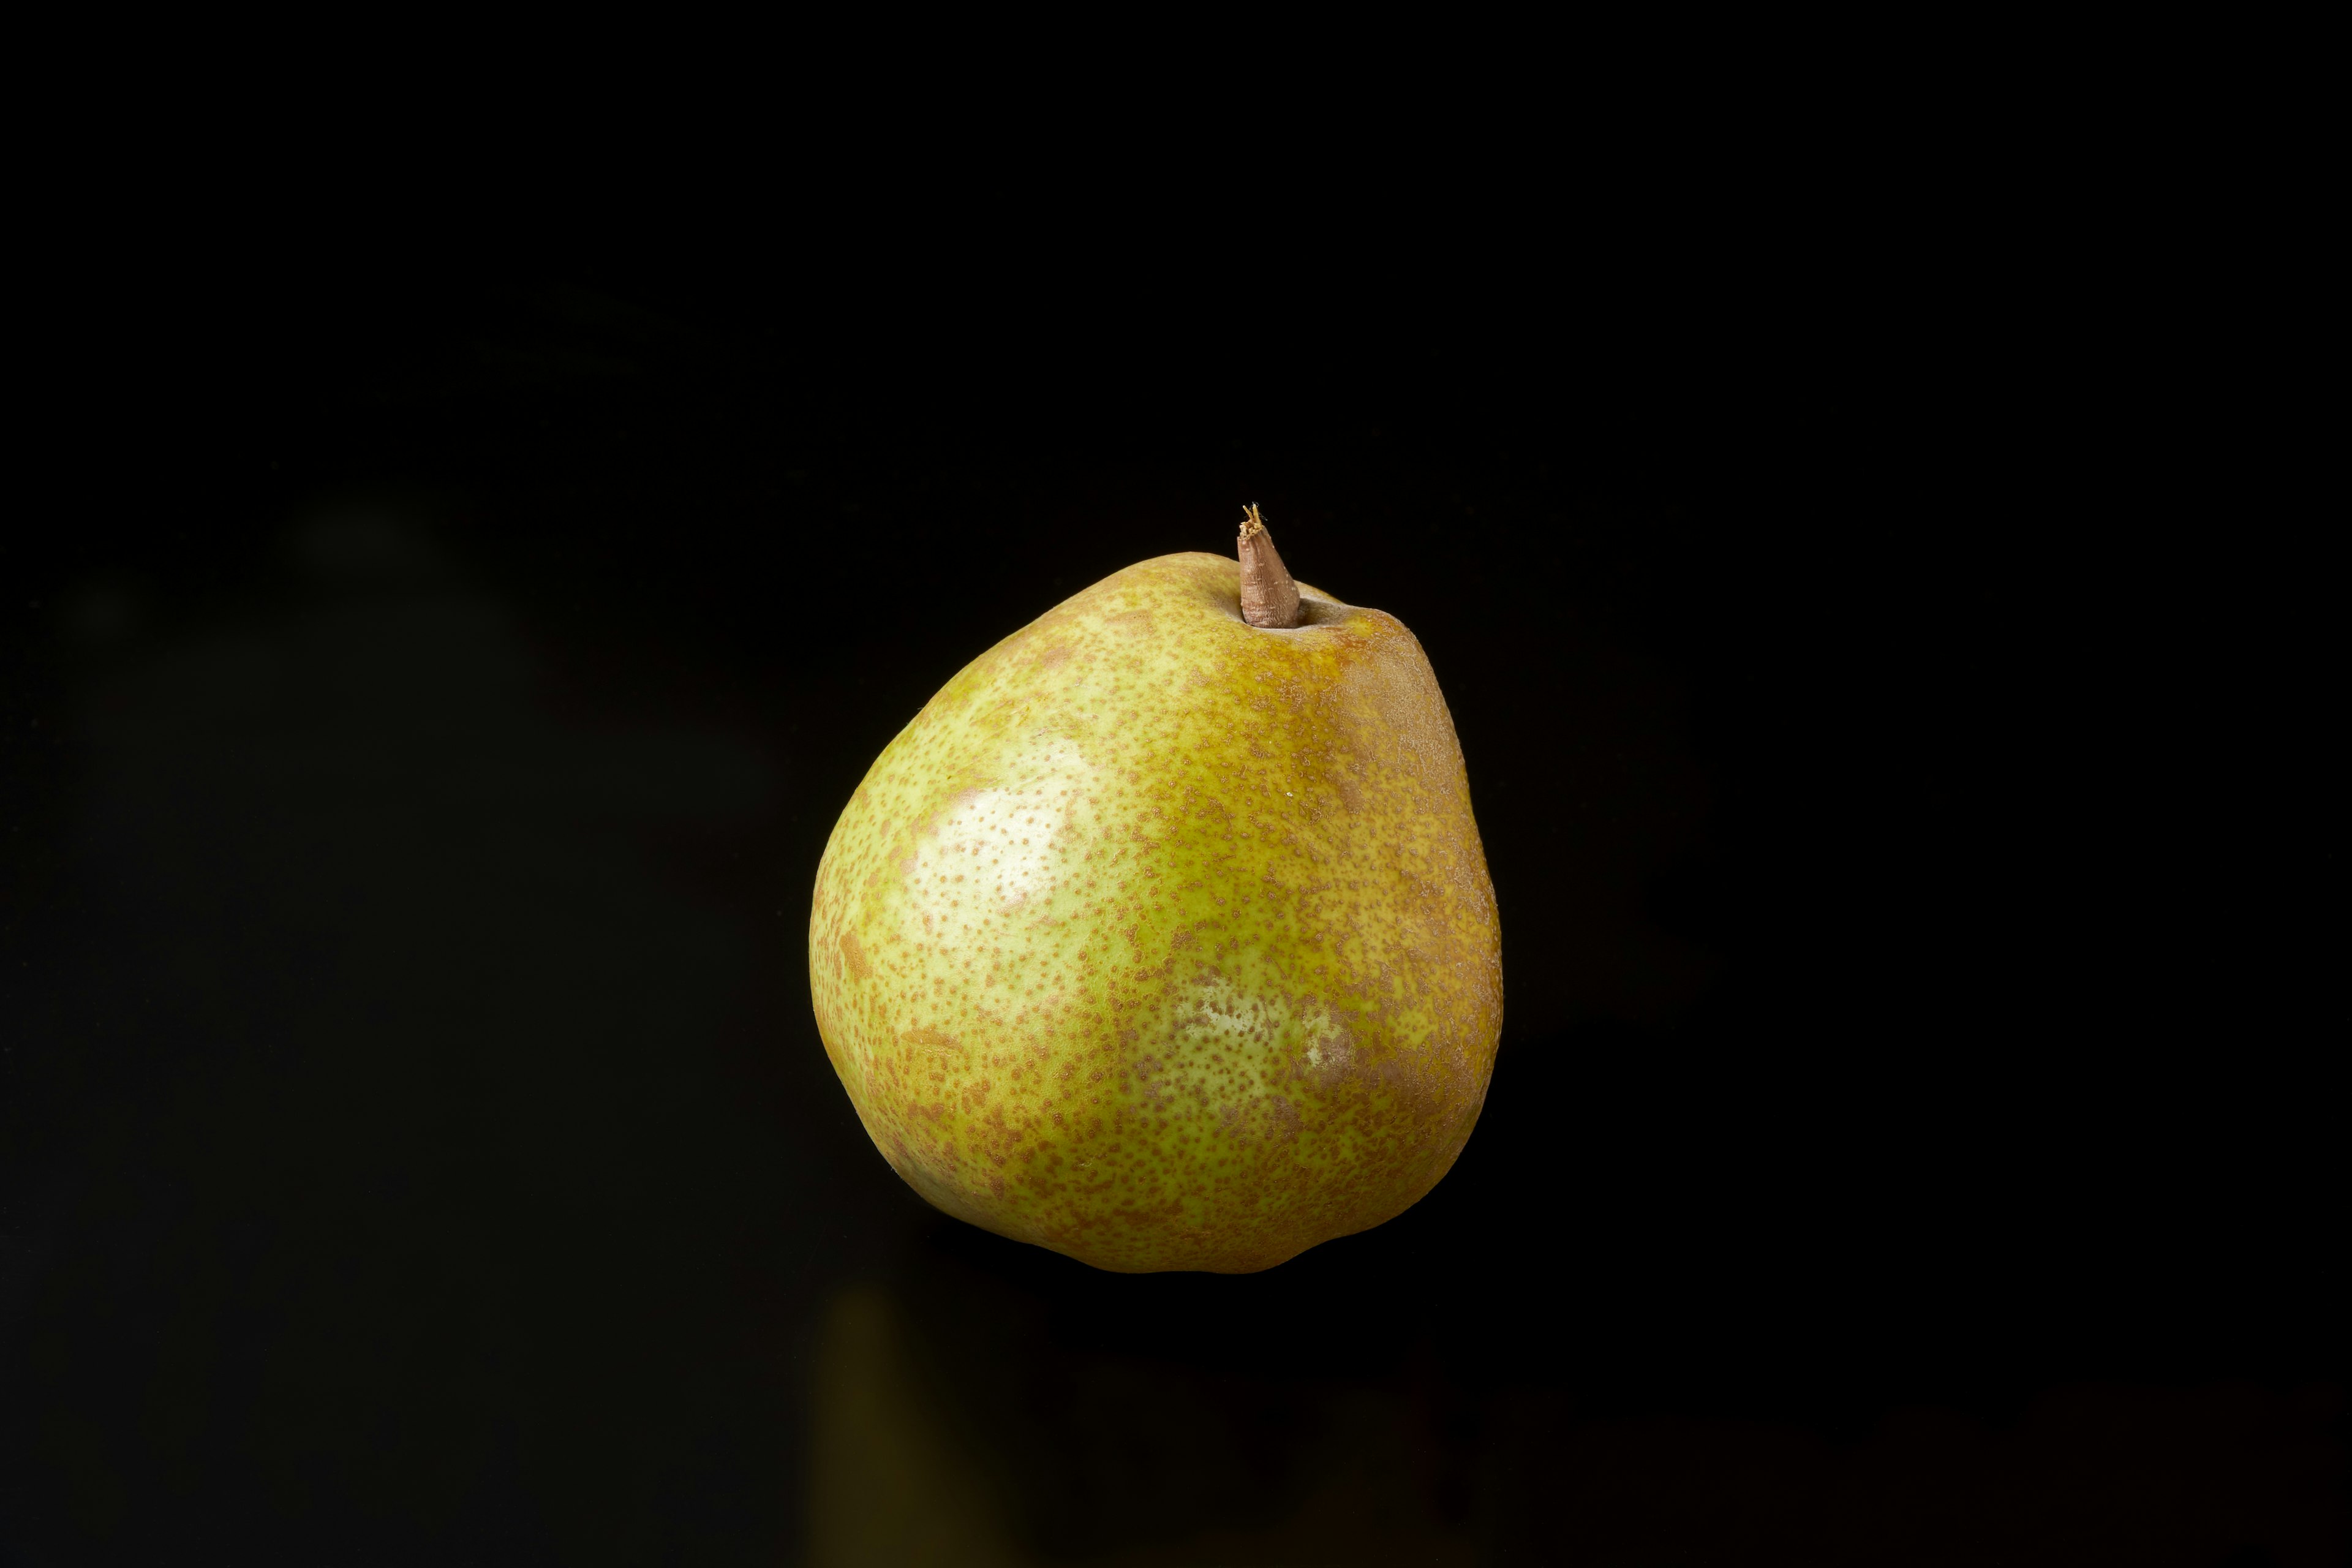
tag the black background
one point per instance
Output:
(435, 669)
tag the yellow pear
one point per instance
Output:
(1164, 939)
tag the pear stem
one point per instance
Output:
(1269, 598)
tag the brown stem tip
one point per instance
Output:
(1269, 598)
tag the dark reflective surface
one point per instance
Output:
(1906, 1144)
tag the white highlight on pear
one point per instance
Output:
(993, 850)
(1215, 1012)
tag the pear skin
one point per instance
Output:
(1163, 940)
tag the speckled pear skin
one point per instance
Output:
(1165, 940)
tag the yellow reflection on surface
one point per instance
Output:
(890, 1487)
(894, 1484)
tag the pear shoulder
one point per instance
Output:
(1163, 940)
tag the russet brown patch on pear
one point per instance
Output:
(853, 957)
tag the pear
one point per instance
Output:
(1164, 939)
